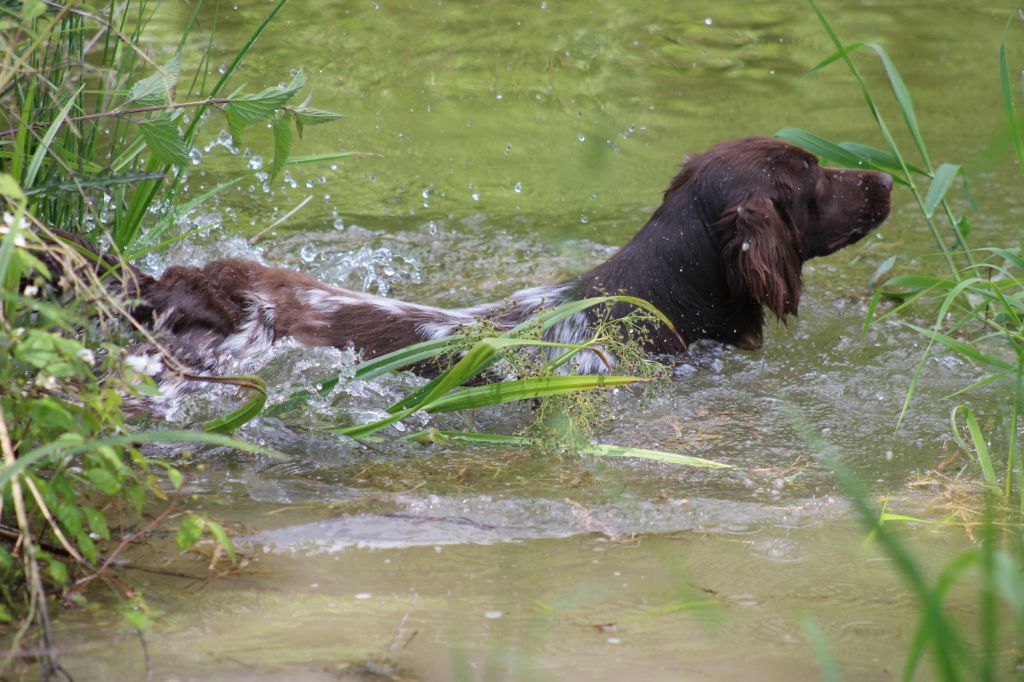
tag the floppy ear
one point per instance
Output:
(762, 255)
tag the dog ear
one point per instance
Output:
(762, 255)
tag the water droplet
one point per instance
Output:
(255, 163)
(308, 253)
(708, 21)
(581, 137)
(518, 187)
(476, 196)
(339, 224)
(493, 615)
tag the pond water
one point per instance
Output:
(510, 144)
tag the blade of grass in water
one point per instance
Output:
(597, 450)
(426, 351)
(524, 389)
(1012, 121)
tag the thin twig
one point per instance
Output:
(214, 101)
(41, 504)
(49, 661)
(125, 541)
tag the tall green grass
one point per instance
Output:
(95, 137)
(978, 303)
(978, 310)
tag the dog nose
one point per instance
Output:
(886, 181)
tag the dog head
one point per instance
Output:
(772, 207)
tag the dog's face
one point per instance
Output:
(830, 207)
(772, 207)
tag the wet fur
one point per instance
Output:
(727, 242)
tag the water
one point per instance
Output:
(515, 144)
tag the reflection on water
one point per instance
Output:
(517, 143)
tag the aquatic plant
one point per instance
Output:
(978, 306)
(978, 312)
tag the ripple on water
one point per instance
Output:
(483, 519)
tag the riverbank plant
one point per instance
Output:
(977, 304)
(976, 308)
(96, 138)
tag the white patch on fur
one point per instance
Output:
(576, 329)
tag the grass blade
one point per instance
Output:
(941, 182)
(232, 421)
(601, 450)
(44, 146)
(980, 448)
(597, 450)
(822, 147)
(1012, 121)
(525, 389)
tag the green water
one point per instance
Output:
(515, 143)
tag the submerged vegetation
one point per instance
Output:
(977, 308)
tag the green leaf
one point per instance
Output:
(58, 571)
(311, 117)
(978, 440)
(244, 110)
(10, 188)
(156, 89)
(902, 94)
(70, 517)
(163, 141)
(56, 124)
(882, 160)
(881, 271)
(51, 413)
(1012, 122)
(190, 530)
(5, 615)
(137, 619)
(104, 481)
(175, 477)
(964, 349)
(71, 444)
(97, 522)
(218, 533)
(231, 422)
(941, 182)
(524, 389)
(32, 9)
(320, 158)
(283, 138)
(136, 494)
(822, 147)
(86, 546)
(601, 450)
